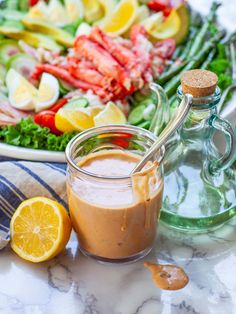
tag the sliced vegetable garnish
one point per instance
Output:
(47, 119)
(136, 115)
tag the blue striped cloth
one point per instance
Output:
(20, 180)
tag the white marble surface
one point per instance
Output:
(74, 284)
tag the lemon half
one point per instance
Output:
(40, 229)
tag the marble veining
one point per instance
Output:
(73, 284)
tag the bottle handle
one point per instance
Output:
(229, 156)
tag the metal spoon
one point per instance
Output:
(174, 124)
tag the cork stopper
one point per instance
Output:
(199, 83)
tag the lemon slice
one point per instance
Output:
(40, 229)
(108, 7)
(73, 118)
(169, 28)
(74, 10)
(110, 115)
(93, 11)
(22, 94)
(120, 20)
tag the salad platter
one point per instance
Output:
(66, 66)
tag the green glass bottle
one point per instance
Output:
(200, 182)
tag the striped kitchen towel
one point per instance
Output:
(20, 180)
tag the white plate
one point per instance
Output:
(229, 113)
(31, 154)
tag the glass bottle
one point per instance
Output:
(200, 184)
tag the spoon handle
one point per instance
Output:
(174, 124)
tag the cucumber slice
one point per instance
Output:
(79, 102)
(139, 96)
(12, 15)
(64, 87)
(13, 23)
(8, 48)
(146, 102)
(23, 64)
(149, 112)
(23, 5)
(136, 115)
(12, 4)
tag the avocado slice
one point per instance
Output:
(44, 27)
(33, 39)
(184, 16)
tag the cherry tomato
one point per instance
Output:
(167, 11)
(47, 119)
(33, 2)
(59, 105)
(166, 48)
(159, 5)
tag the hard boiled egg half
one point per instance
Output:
(48, 92)
(22, 94)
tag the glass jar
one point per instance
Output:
(112, 224)
(200, 184)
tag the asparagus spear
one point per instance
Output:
(178, 51)
(208, 59)
(179, 63)
(171, 86)
(170, 73)
(201, 35)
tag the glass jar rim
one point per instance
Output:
(112, 128)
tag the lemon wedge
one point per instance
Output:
(108, 7)
(38, 11)
(40, 229)
(152, 22)
(169, 28)
(22, 94)
(120, 20)
(184, 15)
(48, 92)
(74, 10)
(73, 118)
(93, 11)
(111, 114)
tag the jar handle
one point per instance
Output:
(229, 156)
